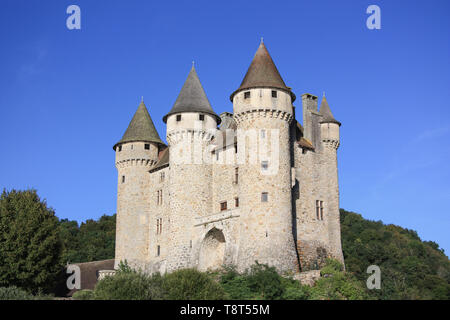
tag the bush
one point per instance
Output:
(190, 284)
(265, 282)
(14, 293)
(337, 285)
(131, 285)
(83, 295)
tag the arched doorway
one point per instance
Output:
(212, 250)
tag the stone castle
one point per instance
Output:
(251, 185)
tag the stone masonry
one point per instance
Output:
(249, 185)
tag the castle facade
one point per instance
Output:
(251, 185)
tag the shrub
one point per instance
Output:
(190, 284)
(129, 286)
(14, 293)
(265, 282)
(337, 285)
(83, 295)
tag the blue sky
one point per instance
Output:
(66, 96)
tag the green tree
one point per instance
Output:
(30, 247)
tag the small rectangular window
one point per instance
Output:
(158, 250)
(264, 165)
(274, 94)
(147, 146)
(236, 175)
(123, 179)
(247, 95)
(264, 197)
(120, 148)
(263, 134)
(162, 176)
(178, 117)
(223, 206)
(236, 202)
(321, 210)
(235, 148)
(217, 155)
(201, 117)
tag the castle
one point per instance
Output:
(252, 185)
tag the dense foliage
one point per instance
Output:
(91, 241)
(259, 283)
(410, 268)
(14, 293)
(30, 247)
(128, 284)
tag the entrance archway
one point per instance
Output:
(212, 250)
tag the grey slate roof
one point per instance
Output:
(141, 128)
(192, 98)
(325, 111)
(163, 160)
(263, 73)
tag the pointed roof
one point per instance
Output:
(325, 111)
(192, 98)
(141, 128)
(263, 73)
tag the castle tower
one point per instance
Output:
(190, 128)
(329, 133)
(263, 112)
(136, 153)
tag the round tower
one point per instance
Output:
(190, 128)
(263, 112)
(330, 136)
(136, 153)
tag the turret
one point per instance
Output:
(190, 127)
(136, 153)
(329, 131)
(263, 104)
(329, 127)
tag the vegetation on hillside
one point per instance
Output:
(35, 246)
(410, 268)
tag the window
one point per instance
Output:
(120, 148)
(159, 199)
(236, 202)
(190, 244)
(247, 95)
(131, 147)
(319, 210)
(263, 134)
(236, 175)
(159, 226)
(123, 179)
(223, 206)
(235, 148)
(201, 117)
(264, 165)
(158, 250)
(162, 176)
(147, 146)
(217, 155)
(264, 197)
(274, 94)
(178, 117)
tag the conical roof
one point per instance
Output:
(325, 111)
(263, 73)
(141, 128)
(192, 98)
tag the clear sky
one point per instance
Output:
(66, 96)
